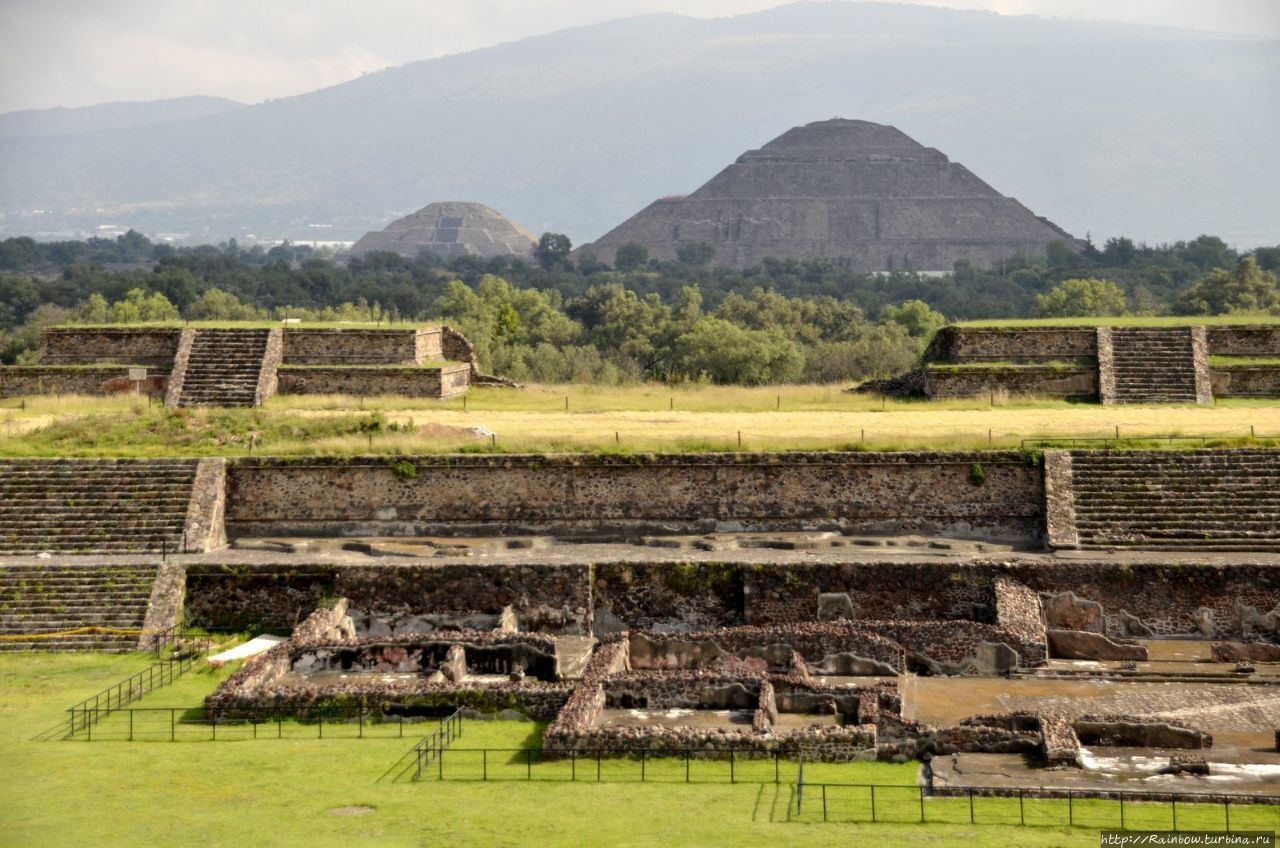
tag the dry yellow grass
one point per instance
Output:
(656, 418)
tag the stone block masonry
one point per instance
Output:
(611, 495)
(550, 598)
(1137, 364)
(408, 381)
(31, 381)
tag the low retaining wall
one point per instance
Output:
(360, 346)
(1246, 381)
(1043, 381)
(1015, 344)
(549, 598)
(31, 380)
(608, 495)
(409, 381)
(127, 345)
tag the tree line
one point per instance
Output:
(557, 317)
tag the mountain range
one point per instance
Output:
(1108, 129)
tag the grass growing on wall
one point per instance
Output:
(576, 418)
(1128, 321)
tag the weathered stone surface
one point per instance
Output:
(833, 606)
(1066, 611)
(863, 195)
(450, 229)
(593, 494)
(1081, 645)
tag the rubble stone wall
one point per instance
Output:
(551, 598)
(594, 494)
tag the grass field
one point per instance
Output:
(542, 418)
(284, 792)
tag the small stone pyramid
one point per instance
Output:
(865, 196)
(450, 229)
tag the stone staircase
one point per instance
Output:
(93, 505)
(52, 599)
(224, 367)
(1225, 500)
(1154, 365)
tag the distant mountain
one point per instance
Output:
(110, 116)
(1106, 129)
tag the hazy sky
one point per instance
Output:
(79, 52)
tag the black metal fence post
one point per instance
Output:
(1022, 812)
(971, 821)
(824, 802)
(920, 789)
(873, 804)
(528, 763)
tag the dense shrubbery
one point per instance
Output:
(557, 319)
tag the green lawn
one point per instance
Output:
(284, 792)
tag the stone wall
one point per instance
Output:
(1246, 381)
(31, 380)
(547, 598)
(1243, 340)
(361, 346)
(1042, 381)
(123, 345)
(260, 687)
(412, 381)
(608, 495)
(1011, 344)
(848, 648)
(205, 529)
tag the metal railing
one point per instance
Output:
(630, 765)
(433, 745)
(193, 724)
(93, 709)
(1093, 808)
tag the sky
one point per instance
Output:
(81, 52)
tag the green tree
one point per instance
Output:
(630, 256)
(916, 318)
(726, 353)
(552, 250)
(217, 305)
(1080, 298)
(1245, 288)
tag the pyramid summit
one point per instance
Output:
(450, 229)
(865, 196)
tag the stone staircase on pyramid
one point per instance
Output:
(225, 368)
(1153, 365)
(39, 604)
(1225, 500)
(94, 505)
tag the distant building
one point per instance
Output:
(865, 196)
(450, 229)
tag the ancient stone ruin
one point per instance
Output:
(232, 366)
(831, 606)
(1113, 365)
(450, 229)
(864, 196)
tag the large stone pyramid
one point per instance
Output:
(450, 229)
(863, 195)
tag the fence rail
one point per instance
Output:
(1093, 808)
(433, 745)
(93, 709)
(192, 724)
